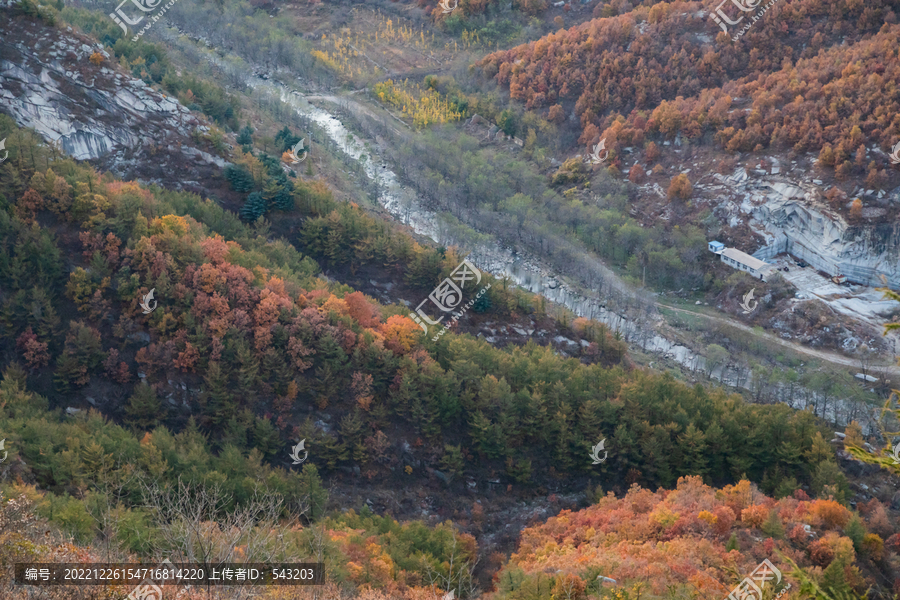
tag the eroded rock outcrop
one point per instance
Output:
(94, 112)
(791, 217)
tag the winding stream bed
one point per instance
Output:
(525, 272)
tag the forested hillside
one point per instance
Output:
(245, 320)
(138, 432)
(698, 542)
(253, 345)
(813, 77)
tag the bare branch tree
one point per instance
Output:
(460, 573)
(194, 525)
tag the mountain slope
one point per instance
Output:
(64, 85)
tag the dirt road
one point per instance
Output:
(831, 357)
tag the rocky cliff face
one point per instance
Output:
(791, 217)
(94, 112)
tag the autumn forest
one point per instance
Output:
(450, 466)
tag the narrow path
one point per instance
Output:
(831, 357)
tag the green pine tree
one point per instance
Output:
(217, 401)
(828, 480)
(234, 433)
(144, 410)
(284, 199)
(333, 450)
(481, 429)
(786, 487)
(856, 531)
(732, 543)
(271, 188)
(519, 470)
(240, 178)
(834, 579)
(482, 303)
(68, 371)
(245, 137)
(692, 444)
(254, 207)
(249, 368)
(772, 526)
(266, 438)
(312, 491)
(351, 430)
(95, 462)
(452, 461)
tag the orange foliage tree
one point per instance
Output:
(400, 333)
(680, 187)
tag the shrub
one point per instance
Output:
(893, 543)
(798, 535)
(754, 516)
(829, 514)
(856, 209)
(680, 187)
(663, 517)
(569, 586)
(636, 174)
(707, 516)
(872, 546)
(821, 553)
(724, 518)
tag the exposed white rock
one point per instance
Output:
(95, 113)
(793, 220)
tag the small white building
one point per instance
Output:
(741, 260)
